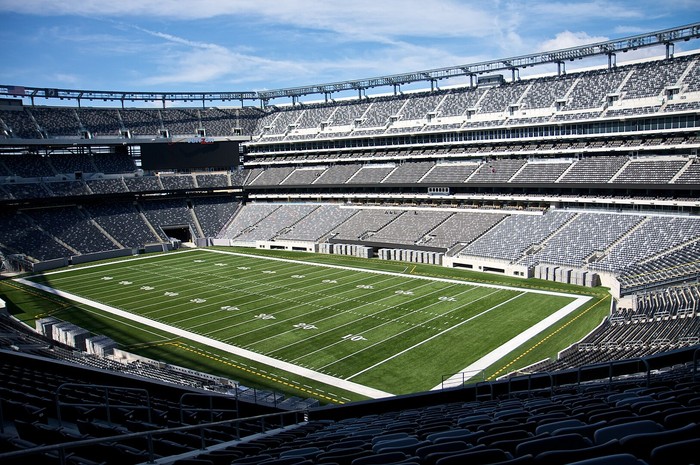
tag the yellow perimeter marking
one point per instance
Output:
(315, 259)
(184, 347)
(179, 345)
(61, 303)
(541, 341)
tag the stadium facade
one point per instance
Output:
(583, 177)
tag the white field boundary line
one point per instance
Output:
(320, 377)
(492, 356)
(127, 259)
(499, 352)
(325, 265)
(436, 335)
(403, 275)
(484, 362)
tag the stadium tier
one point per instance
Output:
(118, 417)
(567, 182)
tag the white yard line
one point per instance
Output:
(478, 365)
(499, 352)
(403, 275)
(436, 335)
(128, 259)
(320, 377)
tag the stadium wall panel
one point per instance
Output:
(297, 246)
(387, 245)
(148, 248)
(221, 242)
(50, 264)
(91, 257)
(488, 266)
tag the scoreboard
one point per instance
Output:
(196, 153)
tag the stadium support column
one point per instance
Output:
(612, 60)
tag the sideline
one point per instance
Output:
(476, 366)
(305, 372)
(401, 275)
(500, 352)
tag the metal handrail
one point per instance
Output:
(610, 366)
(529, 377)
(210, 398)
(61, 448)
(482, 383)
(106, 404)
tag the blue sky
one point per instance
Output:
(236, 45)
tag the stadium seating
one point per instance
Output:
(514, 235)
(449, 173)
(107, 186)
(21, 236)
(72, 228)
(594, 170)
(142, 184)
(122, 222)
(410, 227)
(276, 223)
(212, 180)
(653, 417)
(169, 212)
(177, 182)
(317, 224)
(213, 213)
(114, 163)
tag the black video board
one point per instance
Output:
(193, 154)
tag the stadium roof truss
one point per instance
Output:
(667, 37)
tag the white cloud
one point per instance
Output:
(630, 30)
(568, 39)
(359, 18)
(181, 60)
(64, 78)
(184, 44)
(578, 11)
(195, 62)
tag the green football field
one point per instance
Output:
(365, 333)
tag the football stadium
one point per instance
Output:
(495, 266)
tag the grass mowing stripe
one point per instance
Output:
(343, 302)
(306, 314)
(295, 294)
(413, 276)
(122, 301)
(352, 387)
(359, 331)
(433, 337)
(335, 329)
(392, 336)
(298, 304)
(343, 325)
(544, 339)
